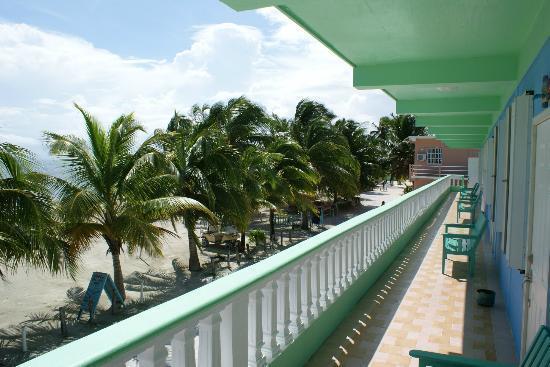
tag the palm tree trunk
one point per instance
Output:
(305, 224)
(117, 273)
(114, 247)
(194, 262)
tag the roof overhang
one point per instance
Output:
(450, 63)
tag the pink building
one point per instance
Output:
(433, 159)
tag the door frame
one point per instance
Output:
(537, 120)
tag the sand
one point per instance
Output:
(30, 291)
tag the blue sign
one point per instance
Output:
(99, 283)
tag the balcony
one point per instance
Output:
(425, 171)
(367, 290)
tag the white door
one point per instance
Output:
(473, 171)
(540, 256)
(516, 226)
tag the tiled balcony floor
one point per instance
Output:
(414, 306)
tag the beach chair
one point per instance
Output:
(463, 244)
(538, 355)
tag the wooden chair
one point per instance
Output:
(468, 206)
(538, 355)
(463, 244)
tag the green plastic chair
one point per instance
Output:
(468, 206)
(538, 355)
(468, 193)
(463, 244)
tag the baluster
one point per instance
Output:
(332, 274)
(233, 333)
(315, 286)
(283, 311)
(255, 342)
(269, 320)
(384, 238)
(376, 239)
(337, 269)
(352, 274)
(344, 264)
(183, 348)
(370, 241)
(324, 284)
(209, 341)
(365, 246)
(360, 246)
(296, 326)
(305, 292)
(154, 356)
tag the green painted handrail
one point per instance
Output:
(118, 339)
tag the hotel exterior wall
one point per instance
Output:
(450, 156)
(512, 280)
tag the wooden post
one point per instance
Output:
(213, 263)
(228, 256)
(141, 290)
(62, 319)
(24, 339)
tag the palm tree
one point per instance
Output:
(327, 150)
(114, 191)
(201, 166)
(29, 226)
(366, 149)
(293, 181)
(395, 131)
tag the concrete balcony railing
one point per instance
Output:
(436, 171)
(277, 311)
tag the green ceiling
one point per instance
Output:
(451, 63)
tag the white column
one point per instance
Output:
(331, 275)
(344, 264)
(305, 292)
(209, 341)
(361, 250)
(234, 332)
(324, 286)
(255, 342)
(283, 311)
(315, 286)
(337, 269)
(351, 258)
(269, 320)
(183, 348)
(356, 254)
(154, 356)
(296, 326)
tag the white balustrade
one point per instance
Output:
(252, 325)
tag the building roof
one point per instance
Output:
(453, 64)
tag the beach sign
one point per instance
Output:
(98, 283)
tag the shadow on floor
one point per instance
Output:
(359, 335)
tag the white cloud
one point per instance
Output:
(42, 73)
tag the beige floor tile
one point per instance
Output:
(414, 306)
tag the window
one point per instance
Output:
(434, 156)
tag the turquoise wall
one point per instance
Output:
(511, 280)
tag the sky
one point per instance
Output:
(152, 58)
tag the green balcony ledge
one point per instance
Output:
(141, 330)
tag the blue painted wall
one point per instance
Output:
(511, 281)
